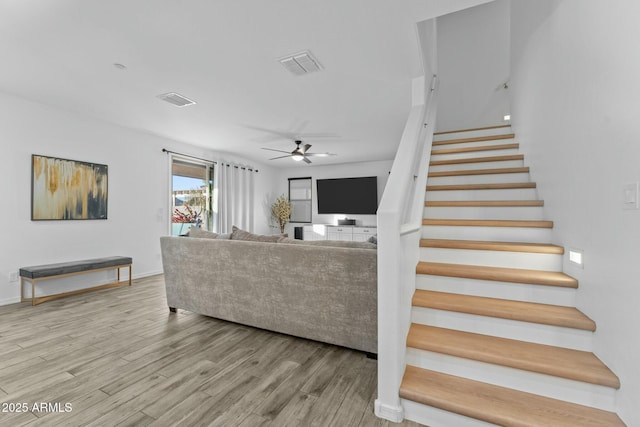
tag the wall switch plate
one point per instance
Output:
(630, 196)
(13, 277)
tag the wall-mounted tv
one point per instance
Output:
(350, 196)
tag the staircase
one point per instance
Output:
(495, 337)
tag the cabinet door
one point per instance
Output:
(343, 233)
(363, 234)
(361, 237)
(308, 233)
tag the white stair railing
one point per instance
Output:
(399, 226)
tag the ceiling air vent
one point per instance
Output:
(176, 99)
(301, 63)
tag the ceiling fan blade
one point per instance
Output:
(306, 160)
(317, 135)
(306, 148)
(279, 151)
(280, 157)
(294, 132)
(320, 154)
(282, 134)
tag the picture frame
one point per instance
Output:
(64, 189)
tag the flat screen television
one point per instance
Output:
(350, 196)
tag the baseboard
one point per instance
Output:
(8, 301)
(389, 412)
(16, 300)
(147, 274)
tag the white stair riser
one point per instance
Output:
(537, 333)
(498, 234)
(531, 382)
(474, 143)
(485, 212)
(488, 288)
(497, 178)
(527, 260)
(473, 133)
(477, 165)
(505, 194)
(434, 417)
(465, 155)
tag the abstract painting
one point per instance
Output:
(67, 189)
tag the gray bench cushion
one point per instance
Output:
(48, 270)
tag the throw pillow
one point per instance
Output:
(373, 239)
(238, 234)
(202, 234)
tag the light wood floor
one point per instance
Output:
(119, 358)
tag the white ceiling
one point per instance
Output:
(223, 55)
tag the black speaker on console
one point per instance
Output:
(346, 221)
(297, 233)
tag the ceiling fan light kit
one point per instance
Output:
(300, 153)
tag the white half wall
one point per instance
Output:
(379, 169)
(575, 112)
(473, 65)
(138, 210)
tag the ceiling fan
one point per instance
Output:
(300, 153)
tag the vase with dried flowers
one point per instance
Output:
(281, 211)
(186, 217)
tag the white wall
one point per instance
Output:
(575, 110)
(473, 63)
(351, 170)
(138, 191)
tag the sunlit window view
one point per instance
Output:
(191, 186)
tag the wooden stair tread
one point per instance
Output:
(477, 160)
(499, 274)
(478, 172)
(540, 358)
(498, 405)
(473, 149)
(465, 187)
(488, 223)
(474, 139)
(444, 132)
(540, 248)
(545, 314)
(483, 203)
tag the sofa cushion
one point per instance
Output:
(238, 234)
(202, 234)
(330, 243)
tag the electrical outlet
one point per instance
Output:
(13, 277)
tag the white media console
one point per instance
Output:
(338, 232)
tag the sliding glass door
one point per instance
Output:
(191, 195)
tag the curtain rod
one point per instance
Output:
(164, 150)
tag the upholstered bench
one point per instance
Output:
(37, 273)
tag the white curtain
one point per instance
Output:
(233, 188)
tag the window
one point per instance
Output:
(191, 189)
(300, 198)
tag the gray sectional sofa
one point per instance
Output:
(322, 291)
